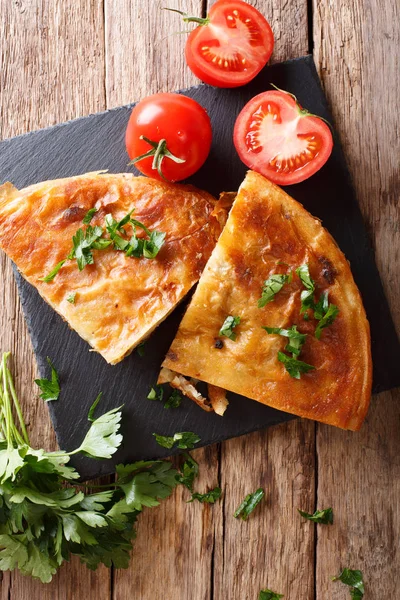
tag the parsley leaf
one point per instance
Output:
(50, 387)
(184, 440)
(53, 272)
(228, 326)
(271, 287)
(354, 579)
(189, 472)
(83, 244)
(307, 295)
(209, 497)
(293, 366)
(153, 246)
(145, 488)
(249, 504)
(91, 417)
(320, 516)
(89, 216)
(326, 320)
(269, 595)
(156, 393)
(297, 339)
(174, 401)
(71, 298)
(102, 439)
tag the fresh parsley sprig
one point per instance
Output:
(228, 326)
(249, 504)
(45, 519)
(50, 387)
(324, 516)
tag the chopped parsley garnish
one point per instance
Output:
(209, 497)
(324, 312)
(293, 366)
(271, 287)
(249, 504)
(296, 339)
(92, 238)
(91, 416)
(89, 216)
(228, 326)
(269, 595)
(174, 401)
(50, 387)
(53, 272)
(83, 244)
(71, 298)
(157, 393)
(184, 440)
(307, 295)
(189, 472)
(320, 516)
(354, 579)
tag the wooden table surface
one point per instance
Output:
(66, 58)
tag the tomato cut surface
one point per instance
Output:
(276, 137)
(232, 47)
(174, 131)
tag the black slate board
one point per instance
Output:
(97, 142)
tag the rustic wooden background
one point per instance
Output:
(66, 58)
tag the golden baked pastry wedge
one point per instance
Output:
(268, 233)
(117, 301)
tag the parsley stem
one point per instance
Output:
(17, 409)
(6, 401)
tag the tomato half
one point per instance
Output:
(232, 46)
(276, 137)
(169, 135)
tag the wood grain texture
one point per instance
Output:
(67, 59)
(44, 80)
(356, 50)
(274, 548)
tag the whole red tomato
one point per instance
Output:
(168, 136)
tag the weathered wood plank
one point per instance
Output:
(274, 548)
(356, 50)
(173, 552)
(45, 80)
(144, 56)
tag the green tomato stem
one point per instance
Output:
(188, 18)
(159, 151)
